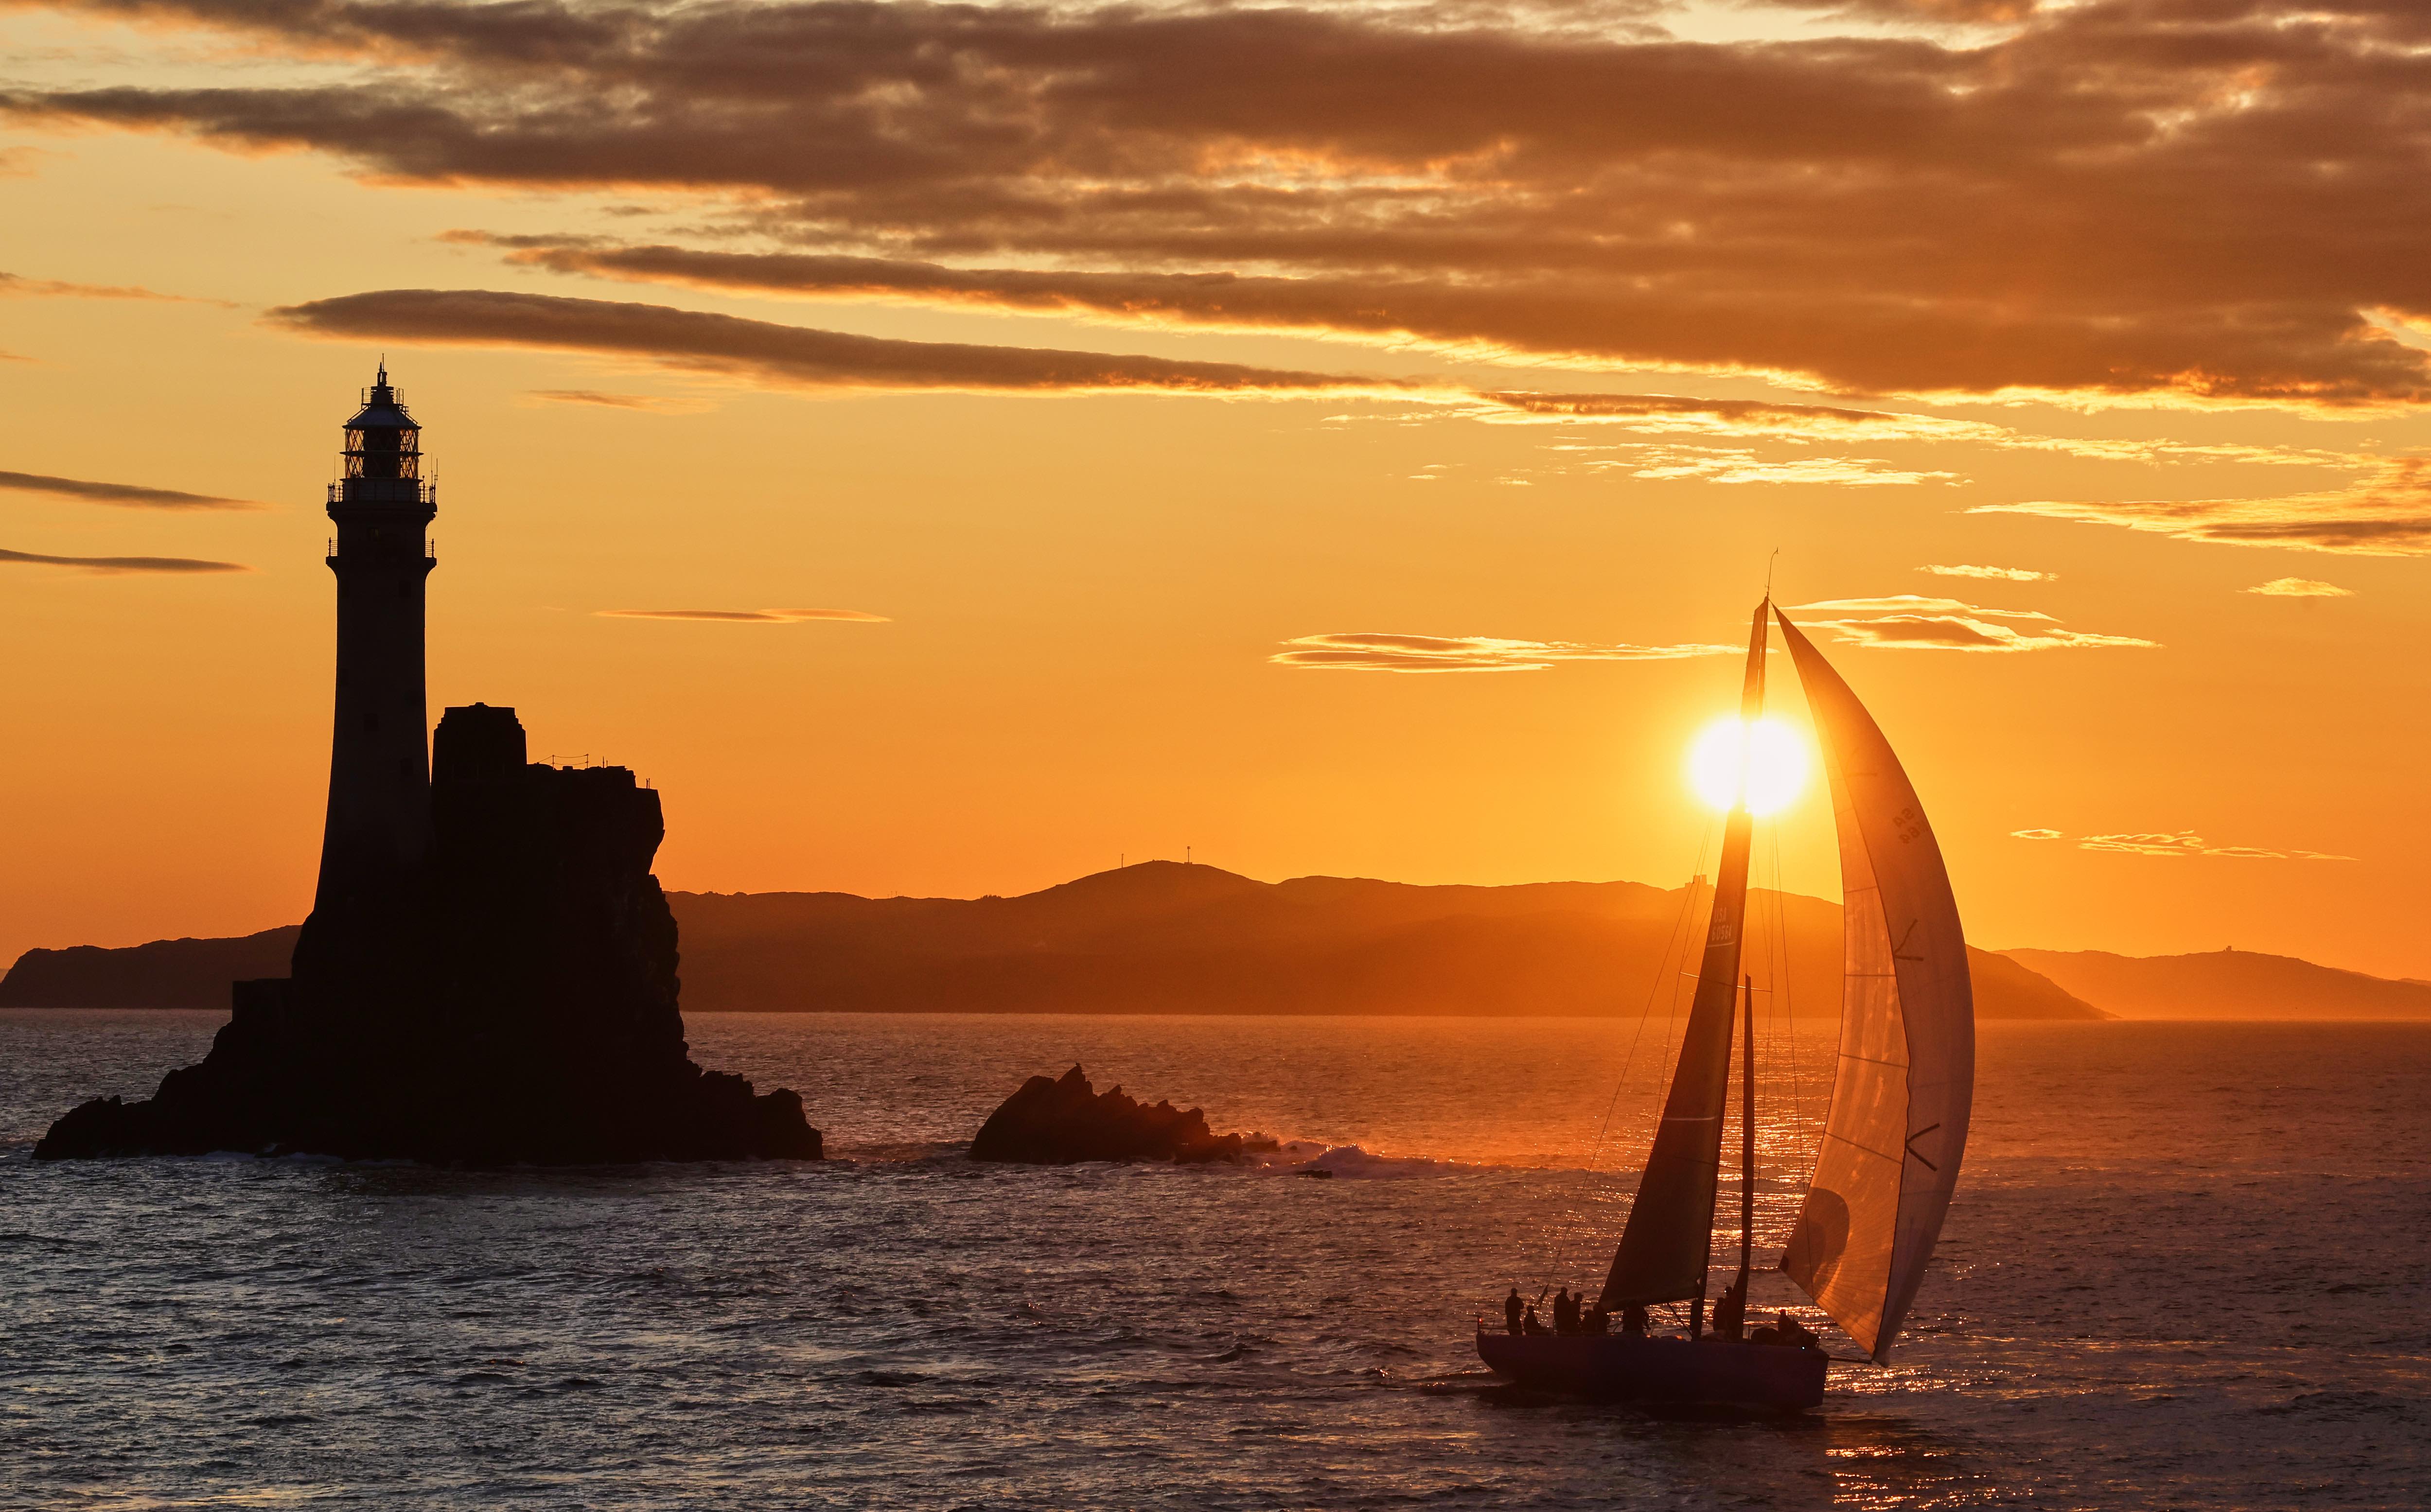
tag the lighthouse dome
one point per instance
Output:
(383, 438)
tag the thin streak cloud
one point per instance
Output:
(17, 286)
(1367, 652)
(2299, 588)
(109, 566)
(748, 616)
(787, 355)
(130, 495)
(1913, 621)
(1997, 574)
(2387, 514)
(2180, 842)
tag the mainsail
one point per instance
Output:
(1669, 1242)
(1906, 1076)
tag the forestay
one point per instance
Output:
(1907, 1073)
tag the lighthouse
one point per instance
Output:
(379, 827)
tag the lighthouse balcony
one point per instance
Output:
(407, 493)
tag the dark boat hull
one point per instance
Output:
(1661, 1373)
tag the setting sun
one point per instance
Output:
(1771, 755)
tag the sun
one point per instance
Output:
(1769, 753)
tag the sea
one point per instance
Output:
(2185, 1268)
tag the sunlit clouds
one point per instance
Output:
(2389, 515)
(1998, 574)
(748, 616)
(2299, 588)
(2128, 198)
(1913, 621)
(2181, 842)
(1374, 652)
(131, 495)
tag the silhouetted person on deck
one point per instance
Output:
(1598, 1322)
(1789, 1330)
(1529, 1323)
(1731, 1312)
(1632, 1320)
(1565, 1313)
(1511, 1308)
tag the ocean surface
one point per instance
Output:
(2186, 1268)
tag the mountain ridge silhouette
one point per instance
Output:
(1166, 938)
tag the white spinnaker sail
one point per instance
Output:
(1906, 1075)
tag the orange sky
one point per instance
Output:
(1319, 438)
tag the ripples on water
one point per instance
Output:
(2184, 1270)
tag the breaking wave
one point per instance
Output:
(1309, 1157)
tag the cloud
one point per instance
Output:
(1372, 652)
(119, 565)
(1910, 621)
(130, 495)
(2002, 574)
(2185, 843)
(1712, 465)
(2299, 588)
(2387, 514)
(654, 403)
(748, 616)
(2182, 842)
(796, 357)
(789, 356)
(2199, 200)
(13, 286)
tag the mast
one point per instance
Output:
(1667, 1249)
(1747, 1150)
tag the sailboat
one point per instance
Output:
(1900, 1095)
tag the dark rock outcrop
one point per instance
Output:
(1058, 1121)
(516, 1002)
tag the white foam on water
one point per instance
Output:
(1311, 1157)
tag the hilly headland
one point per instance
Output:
(1155, 937)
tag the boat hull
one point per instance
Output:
(1661, 1373)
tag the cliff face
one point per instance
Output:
(515, 1002)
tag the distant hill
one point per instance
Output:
(1165, 937)
(163, 974)
(1158, 937)
(2227, 984)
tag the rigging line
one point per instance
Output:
(1789, 1019)
(1676, 938)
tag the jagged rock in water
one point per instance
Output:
(516, 1002)
(1057, 1121)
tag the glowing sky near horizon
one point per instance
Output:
(944, 449)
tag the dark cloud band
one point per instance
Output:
(130, 495)
(2207, 199)
(119, 565)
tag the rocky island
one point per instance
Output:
(1062, 1120)
(520, 1006)
(488, 975)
